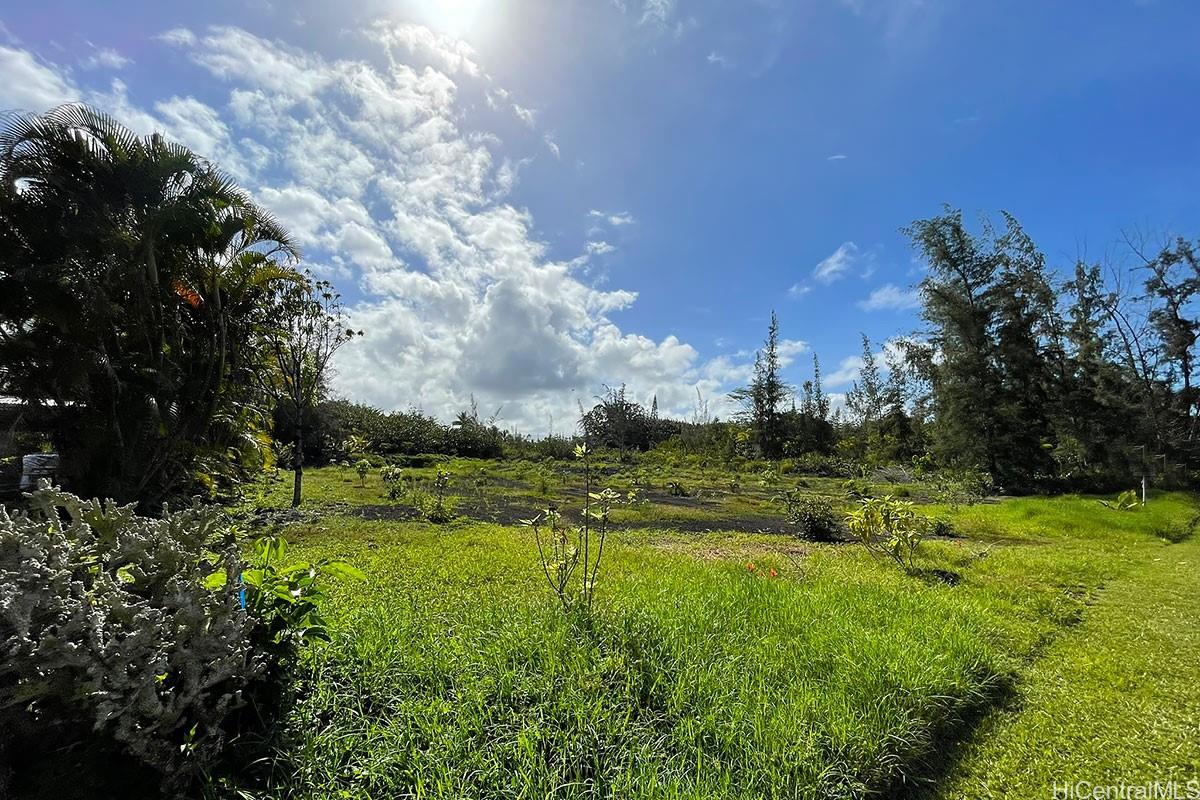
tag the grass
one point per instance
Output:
(453, 675)
(1112, 701)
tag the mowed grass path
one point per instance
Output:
(452, 675)
(1114, 701)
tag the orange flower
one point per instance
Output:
(774, 574)
(750, 566)
(188, 294)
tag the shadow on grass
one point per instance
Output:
(936, 577)
(952, 738)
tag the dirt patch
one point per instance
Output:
(794, 550)
(390, 513)
(501, 511)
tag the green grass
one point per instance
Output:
(453, 675)
(1115, 700)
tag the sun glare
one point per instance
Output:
(464, 19)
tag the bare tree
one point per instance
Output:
(311, 327)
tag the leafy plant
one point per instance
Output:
(886, 526)
(105, 618)
(284, 597)
(962, 487)
(441, 510)
(677, 489)
(145, 315)
(1126, 501)
(814, 517)
(564, 548)
(393, 478)
(362, 467)
(856, 489)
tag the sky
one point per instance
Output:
(525, 201)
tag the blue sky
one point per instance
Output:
(524, 200)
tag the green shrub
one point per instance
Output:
(822, 465)
(961, 488)
(283, 598)
(886, 526)
(151, 632)
(856, 489)
(392, 477)
(814, 517)
(1126, 501)
(362, 467)
(432, 503)
(677, 489)
(104, 619)
(941, 528)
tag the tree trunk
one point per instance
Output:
(298, 466)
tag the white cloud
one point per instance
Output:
(846, 373)
(551, 145)
(788, 349)
(891, 297)
(445, 52)
(656, 12)
(835, 266)
(837, 157)
(599, 248)
(716, 58)
(380, 182)
(180, 37)
(798, 290)
(373, 170)
(526, 115)
(616, 219)
(30, 84)
(106, 58)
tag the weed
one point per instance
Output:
(677, 489)
(566, 547)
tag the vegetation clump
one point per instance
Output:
(152, 633)
(814, 518)
(889, 527)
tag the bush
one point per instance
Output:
(392, 477)
(822, 465)
(893, 473)
(153, 633)
(886, 526)
(1126, 501)
(104, 620)
(814, 517)
(961, 488)
(856, 489)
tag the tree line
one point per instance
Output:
(1039, 380)
(158, 326)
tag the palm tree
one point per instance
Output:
(135, 279)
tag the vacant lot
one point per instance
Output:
(1043, 640)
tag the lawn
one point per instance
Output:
(725, 663)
